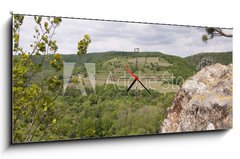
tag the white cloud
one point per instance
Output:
(119, 36)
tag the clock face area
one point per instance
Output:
(76, 78)
(129, 73)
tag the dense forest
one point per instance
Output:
(106, 114)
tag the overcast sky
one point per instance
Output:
(118, 36)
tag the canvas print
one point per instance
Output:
(76, 78)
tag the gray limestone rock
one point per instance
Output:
(204, 102)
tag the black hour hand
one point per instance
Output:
(144, 86)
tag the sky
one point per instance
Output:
(122, 36)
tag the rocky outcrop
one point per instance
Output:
(203, 103)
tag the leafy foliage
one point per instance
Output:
(83, 44)
(37, 79)
(33, 101)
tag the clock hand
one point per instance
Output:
(136, 79)
(134, 76)
(131, 85)
(144, 86)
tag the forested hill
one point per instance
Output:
(104, 56)
(217, 57)
(202, 59)
(195, 62)
(178, 66)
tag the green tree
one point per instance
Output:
(33, 100)
(37, 83)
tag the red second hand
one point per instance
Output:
(135, 77)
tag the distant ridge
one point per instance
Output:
(209, 58)
(180, 67)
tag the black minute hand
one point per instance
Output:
(131, 85)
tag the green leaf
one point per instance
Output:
(45, 108)
(54, 121)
